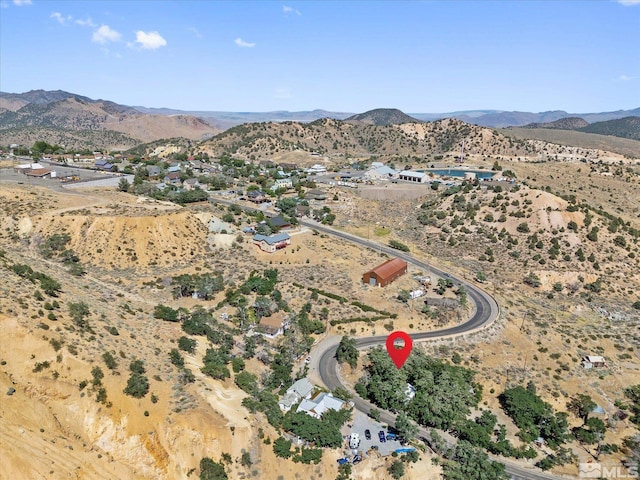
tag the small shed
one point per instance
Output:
(385, 273)
(593, 361)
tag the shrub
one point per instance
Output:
(137, 385)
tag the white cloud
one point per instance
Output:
(20, 3)
(61, 18)
(85, 23)
(150, 40)
(624, 78)
(105, 34)
(241, 43)
(628, 3)
(287, 9)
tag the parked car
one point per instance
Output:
(367, 434)
(381, 436)
(392, 436)
(356, 459)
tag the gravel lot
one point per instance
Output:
(360, 423)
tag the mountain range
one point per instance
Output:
(64, 118)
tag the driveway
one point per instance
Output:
(362, 422)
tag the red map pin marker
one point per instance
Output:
(399, 355)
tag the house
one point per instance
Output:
(273, 325)
(272, 243)
(154, 171)
(190, 184)
(315, 169)
(315, 194)
(106, 167)
(385, 273)
(257, 196)
(172, 178)
(279, 222)
(302, 389)
(409, 176)
(320, 404)
(287, 167)
(38, 172)
(593, 361)
(302, 210)
(282, 183)
(267, 163)
(409, 392)
(173, 169)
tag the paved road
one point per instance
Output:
(485, 313)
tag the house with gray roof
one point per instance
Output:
(300, 390)
(271, 243)
(320, 404)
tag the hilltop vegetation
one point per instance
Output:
(341, 140)
(79, 122)
(627, 127)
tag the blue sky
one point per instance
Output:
(350, 56)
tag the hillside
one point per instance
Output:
(84, 123)
(628, 127)
(578, 301)
(567, 123)
(382, 117)
(622, 146)
(336, 140)
(518, 119)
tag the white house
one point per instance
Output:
(282, 183)
(302, 389)
(317, 168)
(320, 404)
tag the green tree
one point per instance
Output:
(137, 385)
(347, 352)
(123, 185)
(187, 344)
(163, 312)
(396, 469)
(79, 312)
(581, 405)
(282, 447)
(407, 430)
(633, 394)
(176, 358)
(591, 432)
(109, 360)
(210, 470)
(398, 246)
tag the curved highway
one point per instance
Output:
(486, 311)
